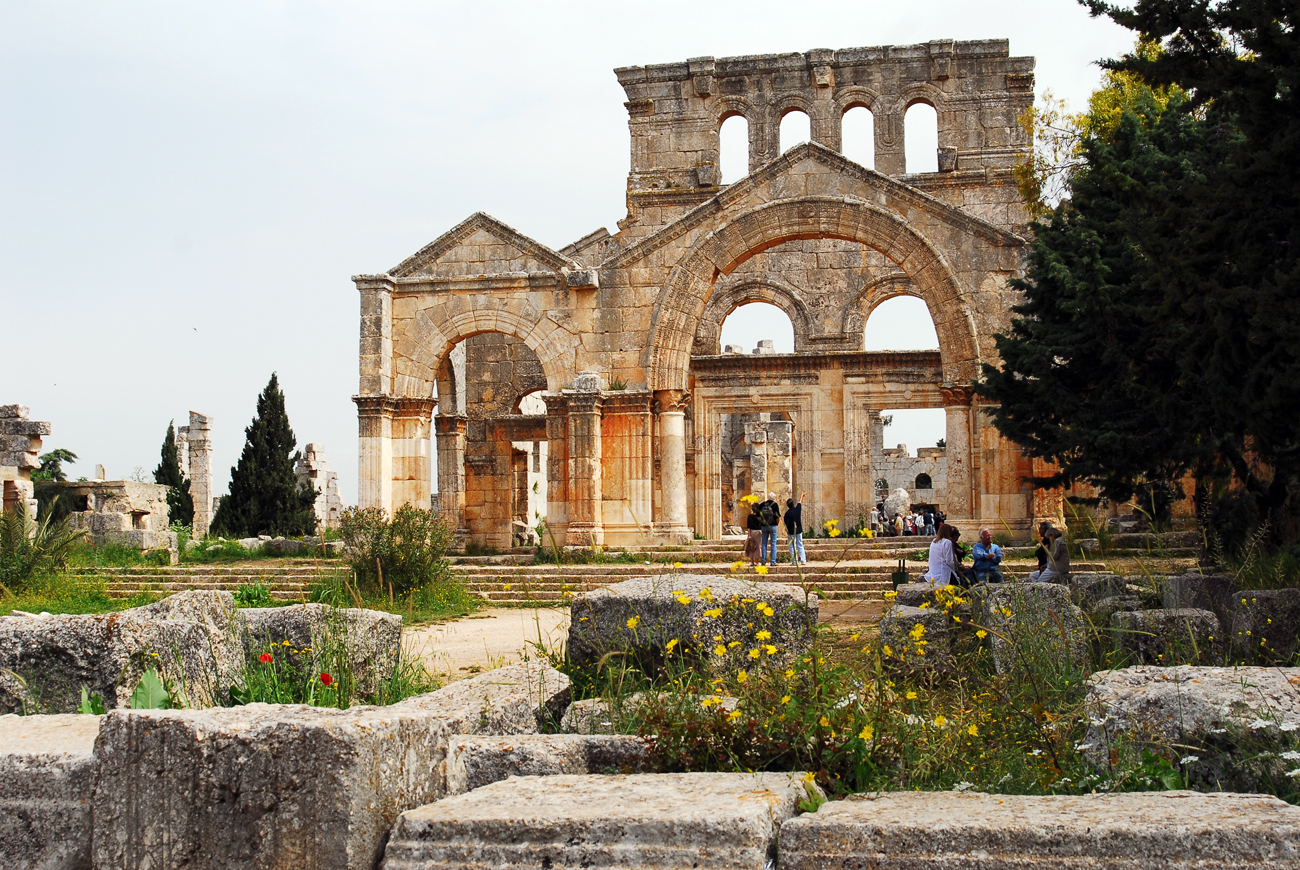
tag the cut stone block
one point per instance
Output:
(516, 699)
(1203, 711)
(1212, 592)
(915, 594)
(473, 762)
(643, 616)
(1166, 637)
(676, 820)
(600, 716)
(899, 631)
(256, 786)
(1033, 619)
(370, 639)
(107, 654)
(47, 779)
(1104, 609)
(1265, 625)
(1088, 589)
(1180, 830)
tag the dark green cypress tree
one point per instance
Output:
(180, 505)
(264, 497)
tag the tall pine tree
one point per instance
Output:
(180, 505)
(265, 498)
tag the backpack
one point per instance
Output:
(767, 512)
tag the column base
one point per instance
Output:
(584, 535)
(673, 533)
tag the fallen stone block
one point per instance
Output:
(516, 699)
(1265, 625)
(701, 820)
(261, 786)
(1179, 830)
(473, 762)
(1220, 715)
(1166, 637)
(1088, 589)
(1212, 592)
(653, 618)
(916, 633)
(49, 660)
(366, 642)
(47, 779)
(1033, 621)
(604, 716)
(1104, 609)
(915, 594)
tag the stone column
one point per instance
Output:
(451, 469)
(411, 467)
(557, 469)
(670, 407)
(374, 452)
(585, 496)
(891, 156)
(200, 452)
(627, 467)
(376, 356)
(957, 501)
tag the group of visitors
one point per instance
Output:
(760, 540)
(947, 554)
(911, 522)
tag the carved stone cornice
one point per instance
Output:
(395, 406)
(627, 401)
(450, 424)
(584, 403)
(672, 401)
(956, 394)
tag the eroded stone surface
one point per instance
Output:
(950, 830)
(1265, 625)
(702, 820)
(474, 762)
(47, 779)
(899, 632)
(516, 699)
(689, 611)
(370, 639)
(1033, 619)
(1167, 637)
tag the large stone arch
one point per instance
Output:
(416, 360)
(728, 297)
(691, 283)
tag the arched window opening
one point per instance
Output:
(921, 138)
(923, 482)
(758, 327)
(532, 405)
(858, 136)
(733, 149)
(796, 128)
(914, 428)
(900, 323)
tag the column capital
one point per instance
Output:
(584, 403)
(413, 406)
(956, 394)
(450, 424)
(374, 406)
(671, 401)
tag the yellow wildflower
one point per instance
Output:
(973, 731)
(632, 623)
(753, 654)
(769, 649)
(669, 647)
(733, 715)
(867, 732)
(854, 637)
(714, 613)
(911, 696)
(768, 611)
(824, 722)
(940, 721)
(917, 632)
(677, 564)
(719, 650)
(734, 644)
(789, 674)
(760, 569)
(785, 700)
(683, 599)
(741, 676)
(887, 651)
(981, 634)
(738, 566)
(763, 635)
(506, 587)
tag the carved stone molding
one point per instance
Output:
(395, 406)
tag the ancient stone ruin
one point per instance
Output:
(647, 423)
(20, 448)
(314, 470)
(194, 449)
(120, 512)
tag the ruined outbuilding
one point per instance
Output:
(20, 448)
(119, 512)
(619, 334)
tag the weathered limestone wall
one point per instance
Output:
(808, 230)
(120, 511)
(20, 447)
(314, 469)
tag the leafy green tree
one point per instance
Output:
(264, 494)
(180, 505)
(52, 465)
(1161, 304)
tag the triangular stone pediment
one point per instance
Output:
(481, 245)
(852, 179)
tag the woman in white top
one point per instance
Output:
(943, 564)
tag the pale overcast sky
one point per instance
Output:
(186, 189)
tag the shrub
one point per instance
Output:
(29, 548)
(397, 556)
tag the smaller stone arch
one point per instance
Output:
(729, 295)
(853, 97)
(857, 309)
(730, 106)
(793, 101)
(923, 481)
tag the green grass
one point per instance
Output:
(433, 602)
(70, 594)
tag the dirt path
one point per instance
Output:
(488, 639)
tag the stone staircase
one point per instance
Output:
(287, 579)
(840, 568)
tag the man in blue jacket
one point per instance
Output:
(988, 556)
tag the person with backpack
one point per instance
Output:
(794, 529)
(753, 537)
(769, 512)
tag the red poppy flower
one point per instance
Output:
(264, 657)
(326, 679)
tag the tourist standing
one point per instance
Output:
(770, 513)
(988, 556)
(794, 529)
(928, 519)
(875, 521)
(753, 536)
